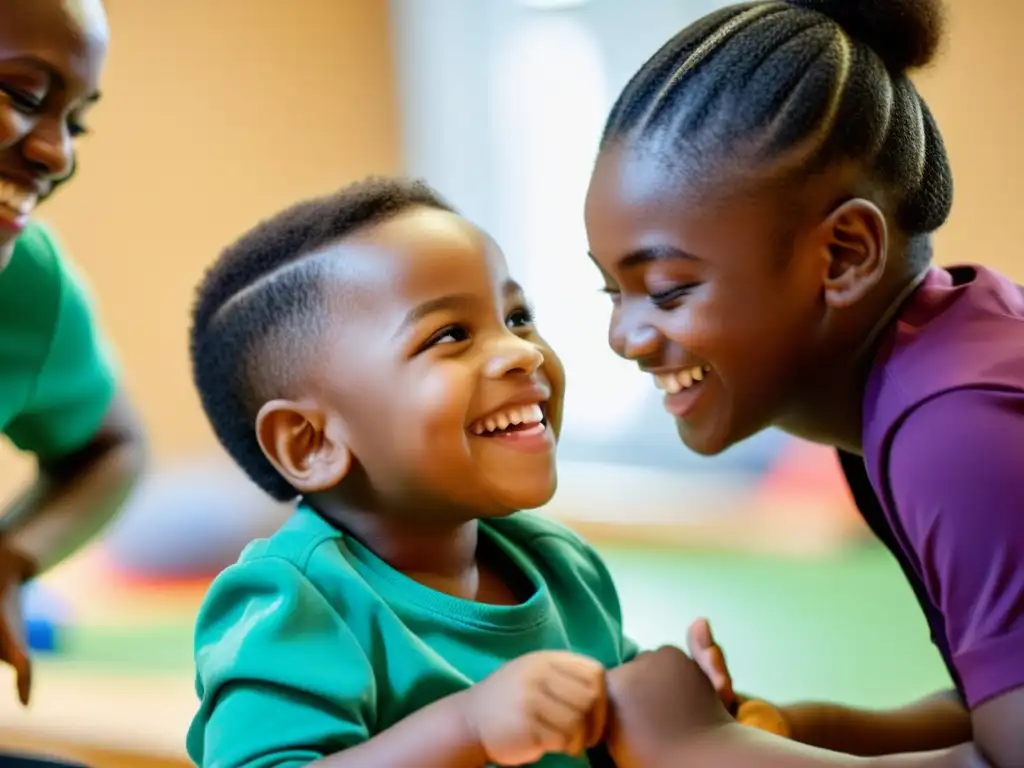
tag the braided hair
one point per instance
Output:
(796, 86)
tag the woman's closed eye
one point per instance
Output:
(23, 101)
(668, 298)
(30, 104)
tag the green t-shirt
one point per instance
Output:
(311, 643)
(56, 378)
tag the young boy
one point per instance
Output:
(369, 353)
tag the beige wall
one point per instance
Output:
(977, 95)
(214, 114)
(219, 112)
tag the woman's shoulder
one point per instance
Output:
(32, 282)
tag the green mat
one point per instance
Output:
(847, 630)
(844, 629)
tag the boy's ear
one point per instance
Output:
(306, 445)
(855, 237)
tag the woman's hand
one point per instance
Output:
(755, 713)
(659, 701)
(15, 569)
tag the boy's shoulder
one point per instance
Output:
(301, 562)
(552, 545)
(295, 542)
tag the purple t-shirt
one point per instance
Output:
(942, 477)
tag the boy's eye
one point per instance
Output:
(520, 318)
(612, 293)
(453, 334)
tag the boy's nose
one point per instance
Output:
(514, 356)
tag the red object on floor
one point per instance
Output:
(807, 470)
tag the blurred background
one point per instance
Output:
(217, 114)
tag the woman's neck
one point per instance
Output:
(831, 410)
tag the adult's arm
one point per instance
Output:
(666, 714)
(957, 478)
(935, 722)
(73, 496)
(78, 421)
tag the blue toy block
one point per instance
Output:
(46, 615)
(41, 635)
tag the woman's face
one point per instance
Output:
(709, 293)
(51, 56)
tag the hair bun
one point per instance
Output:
(904, 33)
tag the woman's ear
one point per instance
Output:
(307, 446)
(855, 237)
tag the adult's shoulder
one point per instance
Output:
(955, 476)
(956, 479)
(31, 285)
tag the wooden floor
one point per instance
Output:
(93, 757)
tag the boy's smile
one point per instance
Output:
(520, 423)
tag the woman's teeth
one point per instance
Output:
(16, 197)
(677, 381)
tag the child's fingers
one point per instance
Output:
(561, 725)
(597, 720)
(573, 692)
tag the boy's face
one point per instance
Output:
(447, 399)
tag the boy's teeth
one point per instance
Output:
(677, 381)
(16, 197)
(520, 414)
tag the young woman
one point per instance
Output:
(60, 396)
(761, 211)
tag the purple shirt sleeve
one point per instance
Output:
(956, 472)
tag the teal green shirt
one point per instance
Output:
(56, 378)
(311, 644)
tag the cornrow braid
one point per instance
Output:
(794, 87)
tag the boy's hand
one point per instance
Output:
(543, 702)
(658, 701)
(711, 659)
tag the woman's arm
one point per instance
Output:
(936, 722)
(735, 746)
(76, 420)
(667, 715)
(74, 496)
(939, 721)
